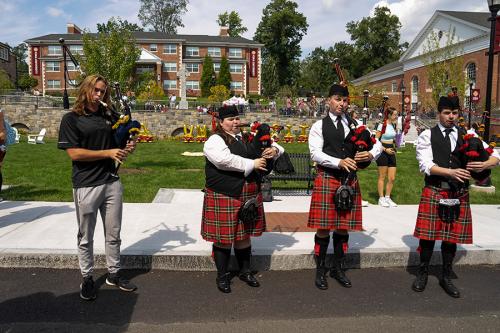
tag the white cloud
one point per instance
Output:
(55, 12)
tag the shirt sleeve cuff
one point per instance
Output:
(248, 167)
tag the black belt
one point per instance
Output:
(447, 184)
(337, 173)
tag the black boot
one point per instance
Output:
(243, 258)
(426, 249)
(337, 271)
(221, 258)
(448, 251)
(320, 248)
(421, 280)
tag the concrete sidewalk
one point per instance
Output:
(166, 235)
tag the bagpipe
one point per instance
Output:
(362, 138)
(258, 140)
(474, 151)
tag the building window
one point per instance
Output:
(193, 68)
(235, 52)
(214, 51)
(52, 66)
(192, 51)
(4, 53)
(76, 49)
(53, 84)
(235, 68)
(169, 49)
(217, 67)
(169, 84)
(394, 87)
(55, 50)
(193, 85)
(143, 69)
(153, 47)
(170, 67)
(414, 85)
(70, 66)
(471, 73)
(235, 85)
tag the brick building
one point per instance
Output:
(472, 29)
(8, 62)
(161, 54)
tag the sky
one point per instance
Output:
(24, 19)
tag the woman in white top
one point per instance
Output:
(386, 133)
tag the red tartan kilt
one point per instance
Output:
(220, 222)
(430, 226)
(322, 212)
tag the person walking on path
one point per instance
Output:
(232, 206)
(386, 163)
(87, 136)
(444, 211)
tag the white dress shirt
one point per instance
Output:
(218, 153)
(424, 148)
(316, 143)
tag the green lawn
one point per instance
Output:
(43, 173)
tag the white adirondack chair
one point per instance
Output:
(18, 136)
(37, 138)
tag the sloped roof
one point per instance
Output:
(393, 66)
(479, 18)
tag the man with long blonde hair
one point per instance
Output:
(87, 136)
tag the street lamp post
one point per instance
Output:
(470, 103)
(403, 89)
(494, 6)
(365, 106)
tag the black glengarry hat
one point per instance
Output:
(447, 102)
(227, 111)
(339, 90)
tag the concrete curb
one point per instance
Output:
(277, 262)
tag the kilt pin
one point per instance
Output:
(323, 213)
(220, 222)
(429, 225)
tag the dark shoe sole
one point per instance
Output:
(87, 298)
(255, 284)
(321, 287)
(448, 293)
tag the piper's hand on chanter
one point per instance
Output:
(131, 145)
(348, 164)
(460, 175)
(363, 156)
(260, 164)
(270, 152)
(118, 155)
(476, 166)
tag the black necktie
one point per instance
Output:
(447, 138)
(340, 127)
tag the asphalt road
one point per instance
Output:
(45, 300)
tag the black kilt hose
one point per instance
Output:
(220, 222)
(322, 212)
(429, 225)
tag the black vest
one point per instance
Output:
(335, 145)
(229, 183)
(441, 155)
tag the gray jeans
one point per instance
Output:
(107, 199)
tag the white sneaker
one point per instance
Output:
(390, 202)
(364, 203)
(383, 202)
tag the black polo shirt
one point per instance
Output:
(93, 132)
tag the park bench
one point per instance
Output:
(297, 181)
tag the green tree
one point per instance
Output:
(21, 53)
(219, 94)
(26, 82)
(5, 82)
(207, 79)
(376, 41)
(233, 21)
(162, 15)
(443, 64)
(270, 79)
(152, 91)
(111, 54)
(281, 30)
(117, 24)
(224, 77)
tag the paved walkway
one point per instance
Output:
(166, 234)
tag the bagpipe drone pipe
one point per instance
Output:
(125, 128)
